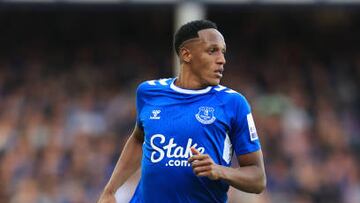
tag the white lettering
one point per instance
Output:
(172, 150)
(185, 163)
(157, 149)
(178, 163)
(168, 147)
(178, 153)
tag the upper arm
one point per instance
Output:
(252, 164)
(243, 133)
(252, 159)
(138, 133)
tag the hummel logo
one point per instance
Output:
(155, 114)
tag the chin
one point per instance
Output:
(214, 82)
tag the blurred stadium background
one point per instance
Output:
(69, 69)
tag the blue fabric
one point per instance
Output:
(215, 121)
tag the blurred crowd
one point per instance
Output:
(67, 110)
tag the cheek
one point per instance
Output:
(202, 65)
(206, 64)
(204, 60)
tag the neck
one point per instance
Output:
(187, 80)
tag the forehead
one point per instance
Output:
(211, 36)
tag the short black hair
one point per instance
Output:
(190, 30)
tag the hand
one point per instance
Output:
(204, 166)
(107, 197)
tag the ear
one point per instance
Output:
(185, 55)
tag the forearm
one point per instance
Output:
(248, 178)
(127, 164)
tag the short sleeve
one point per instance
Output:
(243, 133)
(139, 103)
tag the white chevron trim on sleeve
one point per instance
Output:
(231, 91)
(220, 88)
(151, 82)
(163, 81)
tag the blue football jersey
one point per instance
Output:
(215, 120)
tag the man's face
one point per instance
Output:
(207, 57)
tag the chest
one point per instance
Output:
(185, 120)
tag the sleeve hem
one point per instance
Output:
(247, 151)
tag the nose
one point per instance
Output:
(221, 59)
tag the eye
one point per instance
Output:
(212, 50)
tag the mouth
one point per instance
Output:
(219, 72)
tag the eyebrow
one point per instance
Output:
(215, 45)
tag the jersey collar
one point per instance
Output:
(188, 91)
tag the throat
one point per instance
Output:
(189, 83)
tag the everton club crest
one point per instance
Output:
(205, 115)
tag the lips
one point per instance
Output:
(218, 72)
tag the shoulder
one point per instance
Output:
(229, 96)
(154, 85)
(234, 102)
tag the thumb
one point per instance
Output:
(194, 151)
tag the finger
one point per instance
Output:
(198, 157)
(204, 174)
(194, 151)
(201, 169)
(205, 162)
